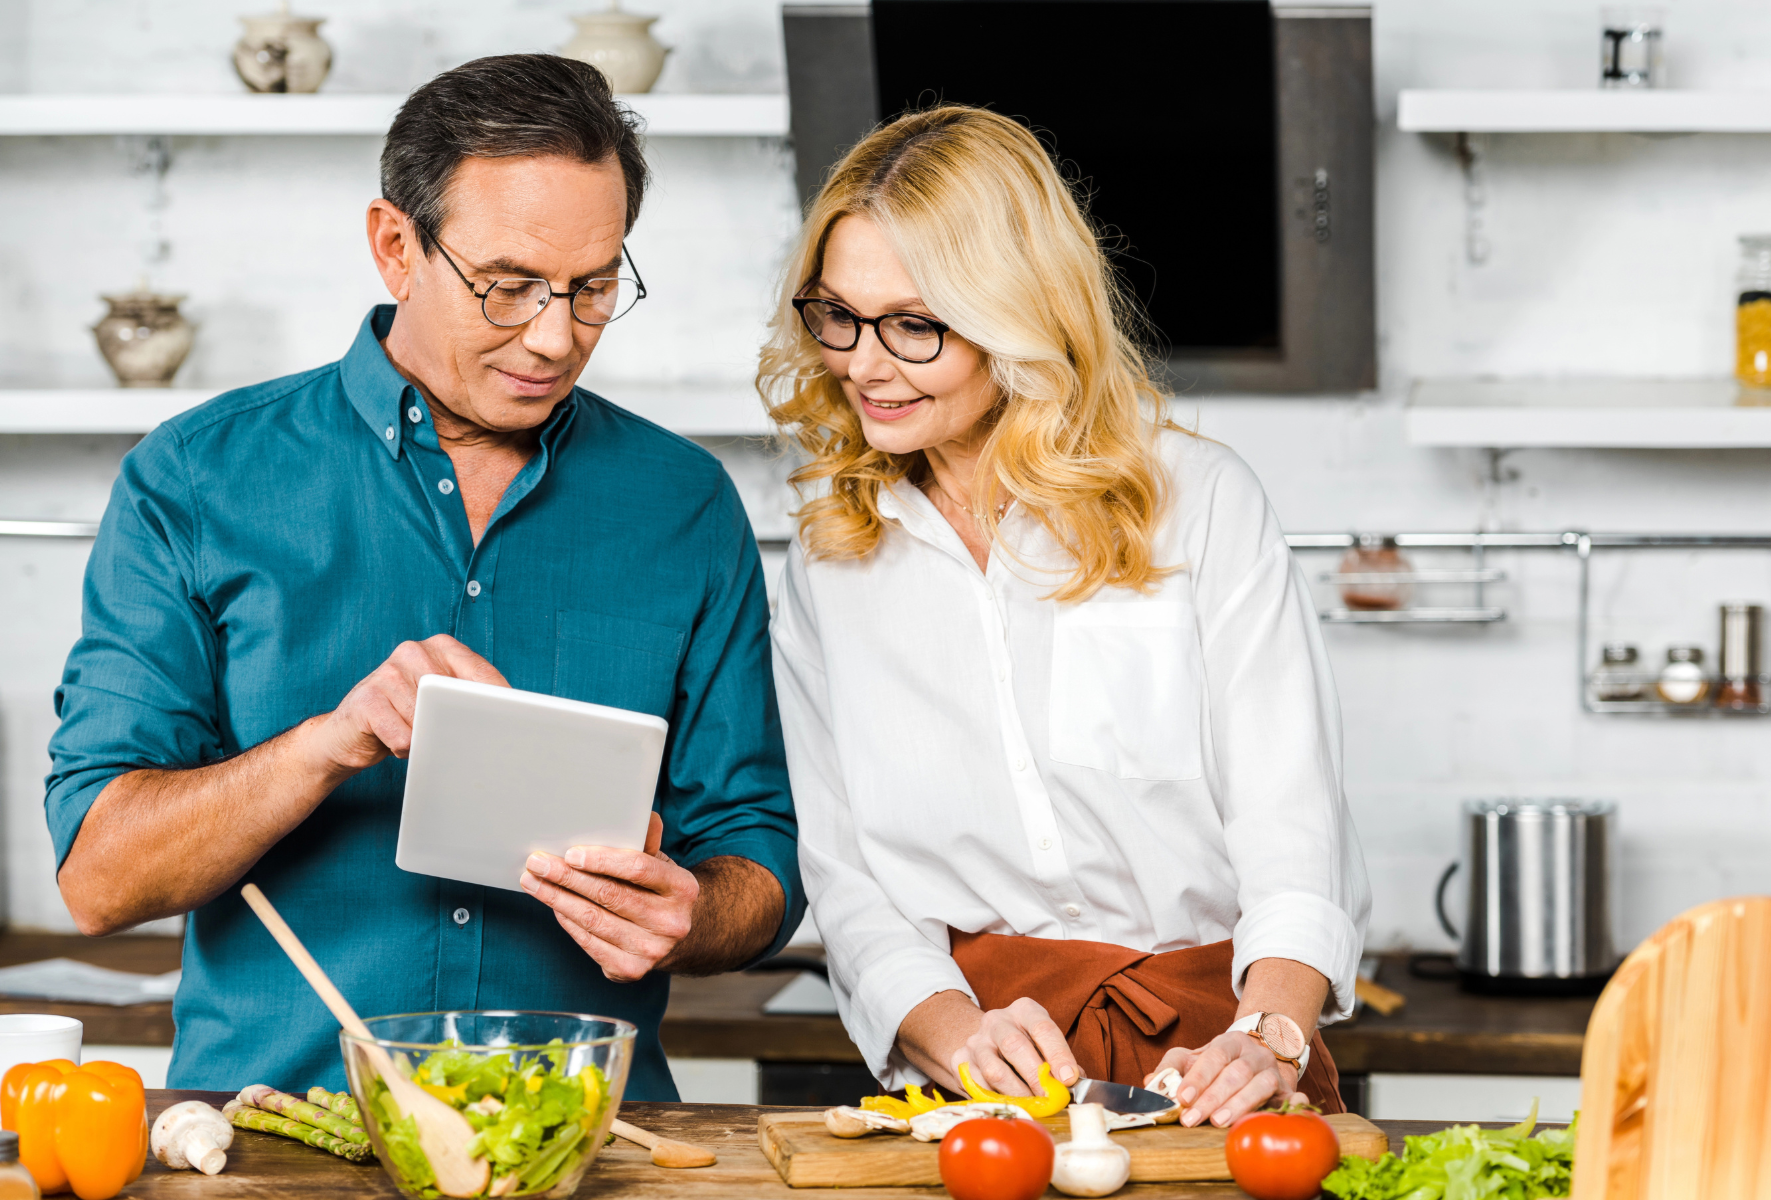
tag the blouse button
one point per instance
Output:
(1045, 843)
(1072, 910)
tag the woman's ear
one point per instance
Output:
(394, 246)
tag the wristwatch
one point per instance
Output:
(1278, 1033)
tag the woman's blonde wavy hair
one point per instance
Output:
(1000, 250)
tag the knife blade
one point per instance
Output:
(1118, 1097)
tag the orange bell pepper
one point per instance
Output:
(13, 1083)
(83, 1129)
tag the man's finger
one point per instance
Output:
(622, 934)
(646, 871)
(635, 906)
(386, 723)
(462, 662)
(654, 835)
(618, 965)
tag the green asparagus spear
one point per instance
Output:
(263, 1096)
(338, 1102)
(246, 1117)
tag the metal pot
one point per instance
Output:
(1540, 918)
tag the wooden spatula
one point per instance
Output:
(443, 1133)
(666, 1152)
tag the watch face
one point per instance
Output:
(1282, 1035)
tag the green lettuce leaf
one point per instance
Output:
(1465, 1162)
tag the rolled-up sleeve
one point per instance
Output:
(725, 790)
(1276, 741)
(139, 687)
(881, 964)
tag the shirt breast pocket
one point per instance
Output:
(618, 661)
(1126, 683)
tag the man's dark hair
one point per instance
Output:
(506, 106)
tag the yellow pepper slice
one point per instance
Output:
(920, 1103)
(890, 1105)
(1054, 1101)
(454, 1096)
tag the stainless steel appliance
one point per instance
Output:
(1540, 917)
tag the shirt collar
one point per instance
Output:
(375, 389)
(381, 394)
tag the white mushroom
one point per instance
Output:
(1090, 1163)
(934, 1125)
(1166, 1083)
(849, 1122)
(192, 1134)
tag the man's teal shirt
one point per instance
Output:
(264, 552)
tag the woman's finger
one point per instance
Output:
(1049, 1040)
(1205, 1067)
(989, 1068)
(1262, 1088)
(1232, 1079)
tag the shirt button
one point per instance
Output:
(392, 433)
(445, 486)
(1072, 910)
(1002, 672)
(1020, 764)
(462, 915)
(415, 414)
(1045, 843)
(473, 587)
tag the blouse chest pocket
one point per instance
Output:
(617, 661)
(1126, 683)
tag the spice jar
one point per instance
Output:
(16, 1183)
(1375, 575)
(1752, 312)
(1682, 680)
(1739, 659)
(1618, 676)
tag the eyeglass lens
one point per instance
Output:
(513, 301)
(910, 337)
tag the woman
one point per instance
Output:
(1063, 741)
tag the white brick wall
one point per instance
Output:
(1610, 255)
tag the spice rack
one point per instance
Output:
(1582, 546)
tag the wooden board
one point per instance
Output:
(808, 1156)
(1673, 1095)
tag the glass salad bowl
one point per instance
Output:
(539, 1090)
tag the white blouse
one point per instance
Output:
(1151, 770)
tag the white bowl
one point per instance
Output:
(37, 1037)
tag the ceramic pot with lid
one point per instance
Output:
(1541, 914)
(144, 338)
(281, 53)
(621, 46)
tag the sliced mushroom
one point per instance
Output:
(934, 1125)
(850, 1122)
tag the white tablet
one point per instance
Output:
(495, 774)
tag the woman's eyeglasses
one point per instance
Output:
(912, 337)
(508, 303)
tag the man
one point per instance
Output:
(442, 493)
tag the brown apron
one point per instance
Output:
(1122, 1009)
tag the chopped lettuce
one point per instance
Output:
(530, 1118)
(1465, 1162)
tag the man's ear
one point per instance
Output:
(393, 243)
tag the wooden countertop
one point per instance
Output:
(262, 1165)
(1443, 1028)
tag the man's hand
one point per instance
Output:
(375, 719)
(627, 909)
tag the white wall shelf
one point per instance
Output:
(41, 115)
(1589, 111)
(1641, 414)
(693, 412)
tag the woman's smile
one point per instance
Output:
(889, 410)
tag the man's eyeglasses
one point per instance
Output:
(912, 337)
(508, 303)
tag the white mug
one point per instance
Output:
(34, 1037)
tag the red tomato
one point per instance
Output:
(988, 1158)
(1281, 1155)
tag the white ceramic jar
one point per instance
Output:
(621, 46)
(281, 53)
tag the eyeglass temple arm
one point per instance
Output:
(637, 277)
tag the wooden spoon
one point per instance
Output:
(443, 1133)
(666, 1152)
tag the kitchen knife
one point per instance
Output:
(1118, 1097)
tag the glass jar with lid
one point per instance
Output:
(1752, 312)
(1375, 576)
(1618, 677)
(16, 1183)
(1683, 680)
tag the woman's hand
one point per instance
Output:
(1230, 1075)
(1005, 1045)
(1009, 1046)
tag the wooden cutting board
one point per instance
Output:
(808, 1156)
